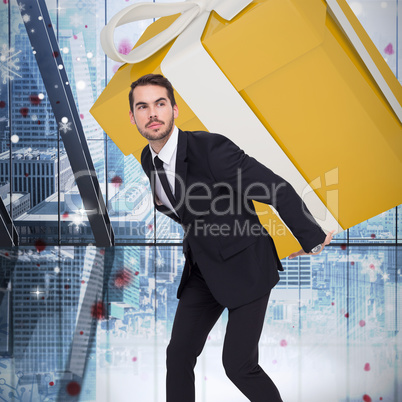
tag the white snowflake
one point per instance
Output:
(26, 18)
(8, 63)
(65, 126)
(21, 7)
(87, 6)
(76, 20)
(372, 266)
(160, 262)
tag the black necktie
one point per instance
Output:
(163, 178)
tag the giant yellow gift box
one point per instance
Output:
(303, 77)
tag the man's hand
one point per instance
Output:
(302, 252)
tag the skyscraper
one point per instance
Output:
(36, 172)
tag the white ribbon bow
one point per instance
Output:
(189, 11)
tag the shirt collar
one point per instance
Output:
(166, 153)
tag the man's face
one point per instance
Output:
(153, 113)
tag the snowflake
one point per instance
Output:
(65, 126)
(26, 18)
(21, 7)
(76, 20)
(8, 63)
(90, 6)
(372, 267)
(160, 262)
(14, 393)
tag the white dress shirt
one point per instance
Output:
(168, 156)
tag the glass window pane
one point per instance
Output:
(129, 201)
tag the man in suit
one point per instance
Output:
(207, 183)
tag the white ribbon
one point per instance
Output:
(189, 10)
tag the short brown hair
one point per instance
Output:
(152, 79)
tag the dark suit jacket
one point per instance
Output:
(236, 255)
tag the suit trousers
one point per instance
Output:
(196, 314)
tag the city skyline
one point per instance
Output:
(92, 323)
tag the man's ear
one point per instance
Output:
(175, 111)
(132, 118)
